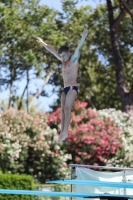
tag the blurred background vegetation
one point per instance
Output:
(28, 135)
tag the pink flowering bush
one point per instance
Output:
(28, 145)
(91, 140)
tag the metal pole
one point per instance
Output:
(71, 178)
(101, 167)
(125, 182)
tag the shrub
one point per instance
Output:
(28, 145)
(16, 182)
(123, 121)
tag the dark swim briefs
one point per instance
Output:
(66, 89)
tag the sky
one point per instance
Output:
(45, 102)
(57, 3)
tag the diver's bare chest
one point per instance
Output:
(67, 68)
(67, 65)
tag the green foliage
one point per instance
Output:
(21, 21)
(108, 92)
(126, 44)
(20, 24)
(96, 69)
(96, 72)
(16, 182)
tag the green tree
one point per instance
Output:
(99, 66)
(20, 22)
(123, 7)
(96, 75)
(97, 69)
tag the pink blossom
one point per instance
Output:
(90, 133)
(77, 160)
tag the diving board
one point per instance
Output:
(62, 194)
(93, 183)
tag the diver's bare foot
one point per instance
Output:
(62, 137)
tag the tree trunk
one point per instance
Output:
(11, 85)
(27, 101)
(40, 91)
(125, 95)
